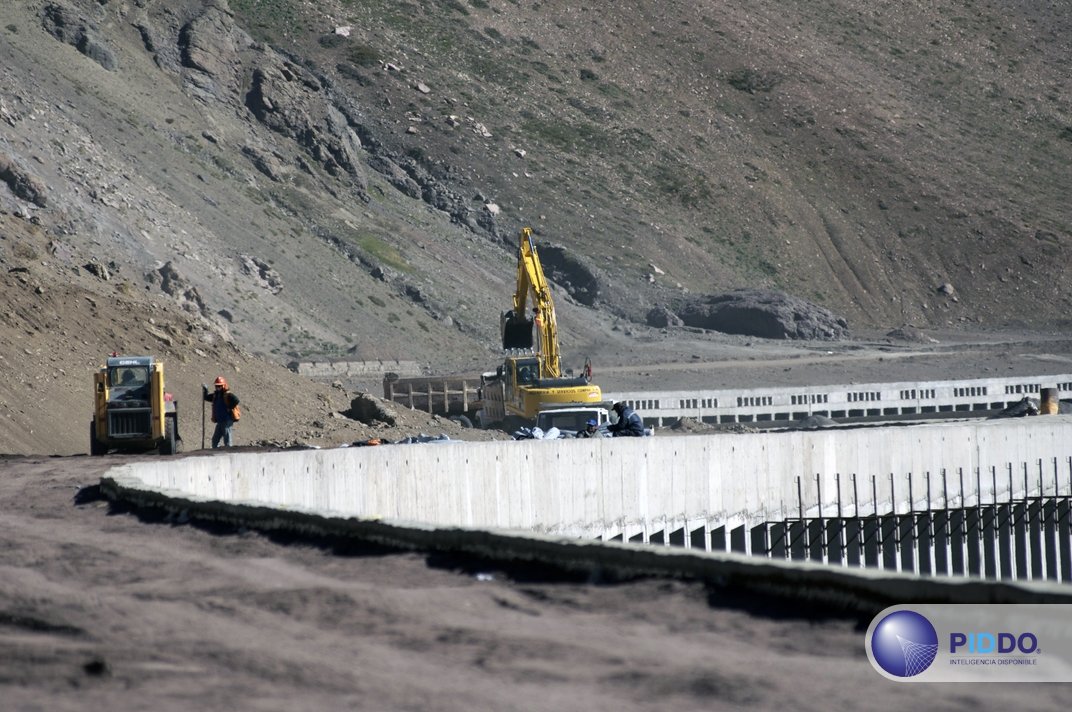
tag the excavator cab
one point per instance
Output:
(516, 331)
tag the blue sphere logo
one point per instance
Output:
(904, 643)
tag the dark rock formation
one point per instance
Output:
(766, 314)
(660, 317)
(291, 101)
(570, 271)
(370, 410)
(66, 25)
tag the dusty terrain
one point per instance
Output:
(105, 609)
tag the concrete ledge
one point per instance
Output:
(862, 590)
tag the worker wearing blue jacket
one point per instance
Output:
(629, 422)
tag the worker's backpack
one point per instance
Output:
(236, 413)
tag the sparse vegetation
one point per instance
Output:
(383, 252)
(363, 55)
(753, 80)
(688, 186)
(577, 137)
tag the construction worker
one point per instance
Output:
(224, 411)
(591, 429)
(629, 423)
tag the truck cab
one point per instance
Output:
(572, 420)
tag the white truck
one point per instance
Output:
(570, 420)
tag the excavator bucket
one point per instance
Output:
(516, 331)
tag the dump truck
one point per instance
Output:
(530, 378)
(132, 411)
(453, 397)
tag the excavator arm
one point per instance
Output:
(517, 327)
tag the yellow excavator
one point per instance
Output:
(530, 379)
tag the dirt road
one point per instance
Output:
(102, 609)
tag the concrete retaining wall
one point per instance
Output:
(595, 487)
(861, 400)
(354, 369)
(819, 586)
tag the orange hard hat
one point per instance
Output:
(221, 381)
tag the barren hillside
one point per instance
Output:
(235, 186)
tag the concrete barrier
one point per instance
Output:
(820, 587)
(601, 487)
(516, 500)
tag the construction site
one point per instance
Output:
(530, 356)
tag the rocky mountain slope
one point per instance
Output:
(238, 185)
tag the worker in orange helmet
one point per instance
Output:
(225, 411)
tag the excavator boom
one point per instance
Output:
(517, 326)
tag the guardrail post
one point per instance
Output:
(906, 536)
(1064, 536)
(1018, 525)
(778, 543)
(797, 539)
(957, 542)
(888, 542)
(989, 541)
(1034, 533)
(853, 542)
(975, 541)
(834, 541)
(1004, 523)
(871, 541)
(1049, 517)
(925, 543)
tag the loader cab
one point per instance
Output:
(129, 382)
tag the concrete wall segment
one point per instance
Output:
(845, 589)
(581, 487)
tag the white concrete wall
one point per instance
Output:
(786, 403)
(587, 487)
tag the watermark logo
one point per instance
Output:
(904, 643)
(986, 642)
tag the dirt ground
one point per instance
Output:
(101, 608)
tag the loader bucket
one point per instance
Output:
(516, 331)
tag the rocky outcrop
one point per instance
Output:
(292, 101)
(766, 314)
(68, 26)
(21, 183)
(572, 272)
(660, 317)
(208, 48)
(262, 273)
(371, 410)
(172, 284)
